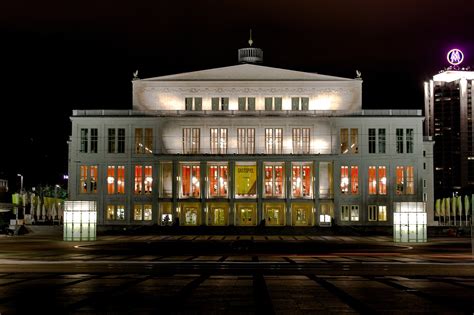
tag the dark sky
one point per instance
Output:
(62, 55)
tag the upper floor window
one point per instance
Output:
(274, 180)
(300, 103)
(350, 180)
(399, 140)
(218, 140)
(301, 179)
(405, 180)
(379, 173)
(89, 140)
(193, 103)
(191, 140)
(220, 103)
(301, 140)
(246, 103)
(273, 140)
(409, 140)
(88, 179)
(382, 140)
(349, 143)
(246, 140)
(116, 140)
(143, 140)
(373, 140)
(218, 180)
(273, 103)
(116, 180)
(143, 179)
(190, 180)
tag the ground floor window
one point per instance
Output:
(218, 213)
(377, 213)
(115, 212)
(166, 213)
(349, 213)
(190, 213)
(246, 213)
(301, 214)
(274, 213)
(142, 212)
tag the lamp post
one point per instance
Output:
(21, 182)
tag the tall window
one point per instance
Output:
(142, 212)
(354, 213)
(143, 179)
(382, 140)
(410, 180)
(372, 180)
(382, 213)
(88, 179)
(115, 212)
(190, 180)
(301, 140)
(382, 180)
(273, 103)
(273, 140)
(301, 180)
(274, 182)
(300, 103)
(193, 103)
(218, 180)
(400, 180)
(220, 103)
(143, 140)
(89, 138)
(372, 140)
(116, 179)
(191, 140)
(377, 213)
(372, 212)
(345, 210)
(246, 103)
(245, 140)
(399, 140)
(349, 181)
(409, 140)
(84, 140)
(218, 140)
(116, 140)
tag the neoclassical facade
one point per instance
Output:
(248, 143)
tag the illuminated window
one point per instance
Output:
(143, 140)
(142, 212)
(116, 140)
(218, 180)
(409, 140)
(345, 213)
(190, 180)
(326, 185)
(111, 180)
(344, 140)
(120, 179)
(354, 141)
(354, 213)
(382, 215)
(399, 140)
(116, 186)
(372, 215)
(382, 180)
(372, 180)
(115, 212)
(410, 180)
(372, 140)
(274, 180)
(218, 140)
(191, 140)
(301, 140)
(246, 103)
(301, 180)
(143, 179)
(400, 182)
(193, 103)
(344, 179)
(166, 179)
(354, 179)
(245, 140)
(273, 140)
(88, 179)
(245, 179)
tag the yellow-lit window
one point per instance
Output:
(372, 180)
(137, 212)
(382, 180)
(354, 213)
(372, 213)
(110, 212)
(382, 215)
(354, 179)
(354, 141)
(345, 213)
(344, 140)
(344, 179)
(400, 180)
(147, 212)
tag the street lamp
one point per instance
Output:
(21, 182)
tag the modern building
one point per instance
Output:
(449, 122)
(247, 143)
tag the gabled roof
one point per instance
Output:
(247, 72)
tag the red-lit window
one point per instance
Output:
(190, 180)
(83, 184)
(148, 179)
(301, 180)
(382, 180)
(410, 180)
(218, 180)
(344, 179)
(400, 180)
(354, 179)
(372, 180)
(120, 179)
(138, 178)
(111, 179)
(274, 180)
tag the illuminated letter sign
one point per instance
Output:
(455, 57)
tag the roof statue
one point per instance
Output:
(135, 75)
(250, 40)
(359, 74)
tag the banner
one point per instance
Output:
(245, 180)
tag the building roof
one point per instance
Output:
(450, 75)
(247, 72)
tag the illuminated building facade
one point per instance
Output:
(448, 111)
(244, 144)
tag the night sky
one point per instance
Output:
(62, 55)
